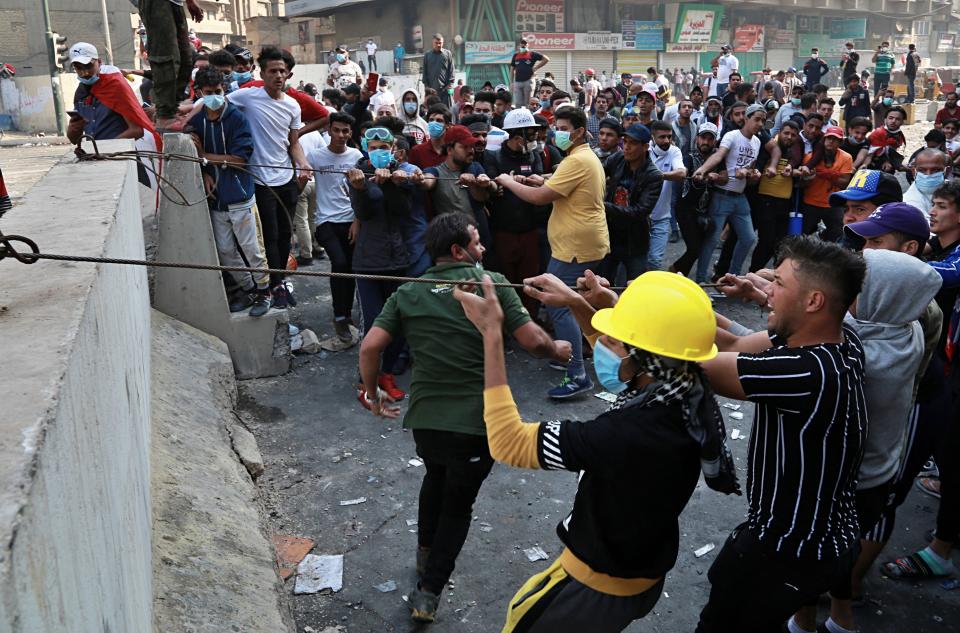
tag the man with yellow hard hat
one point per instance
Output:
(622, 536)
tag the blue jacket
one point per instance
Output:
(230, 134)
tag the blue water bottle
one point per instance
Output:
(795, 226)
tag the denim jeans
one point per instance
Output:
(721, 90)
(911, 89)
(659, 235)
(726, 206)
(564, 324)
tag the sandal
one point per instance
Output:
(916, 566)
(929, 485)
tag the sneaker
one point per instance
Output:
(423, 605)
(929, 469)
(261, 303)
(555, 364)
(571, 387)
(389, 384)
(291, 299)
(241, 301)
(342, 328)
(304, 261)
(279, 293)
(362, 396)
(319, 253)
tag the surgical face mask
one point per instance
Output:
(523, 49)
(341, 57)
(562, 140)
(814, 55)
(89, 81)
(381, 158)
(887, 101)
(545, 104)
(435, 129)
(532, 146)
(928, 183)
(607, 365)
(883, 49)
(214, 102)
(795, 101)
(242, 78)
(410, 107)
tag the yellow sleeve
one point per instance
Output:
(568, 177)
(511, 441)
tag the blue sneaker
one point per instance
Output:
(571, 387)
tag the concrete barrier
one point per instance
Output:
(258, 346)
(75, 424)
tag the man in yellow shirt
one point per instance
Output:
(577, 229)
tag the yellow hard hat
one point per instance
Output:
(665, 314)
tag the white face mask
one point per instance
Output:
(815, 55)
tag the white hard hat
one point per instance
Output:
(519, 118)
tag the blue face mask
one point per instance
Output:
(435, 129)
(381, 158)
(341, 57)
(242, 78)
(545, 103)
(795, 101)
(214, 102)
(887, 101)
(89, 81)
(561, 139)
(928, 183)
(410, 107)
(607, 366)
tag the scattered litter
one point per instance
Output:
(289, 551)
(937, 619)
(706, 549)
(606, 396)
(411, 522)
(293, 329)
(735, 434)
(319, 572)
(730, 405)
(950, 585)
(485, 527)
(309, 343)
(415, 462)
(337, 459)
(386, 587)
(666, 595)
(405, 598)
(736, 415)
(309, 629)
(371, 479)
(296, 342)
(353, 502)
(535, 553)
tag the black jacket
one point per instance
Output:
(382, 211)
(629, 224)
(508, 212)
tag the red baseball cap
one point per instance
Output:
(459, 134)
(833, 131)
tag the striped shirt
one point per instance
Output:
(884, 64)
(806, 445)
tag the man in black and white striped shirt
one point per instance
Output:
(806, 378)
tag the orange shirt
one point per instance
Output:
(818, 190)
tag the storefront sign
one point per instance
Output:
(848, 29)
(779, 38)
(748, 38)
(598, 41)
(649, 36)
(541, 16)
(488, 52)
(698, 23)
(687, 48)
(551, 41)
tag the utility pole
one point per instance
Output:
(54, 70)
(106, 31)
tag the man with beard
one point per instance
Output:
(669, 160)
(633, 187)
(593, 121)
(736, 115)
(693, 208)
(830, 175)
(730, 96)
(479, 126)
(712, 113)
(949, 112)
(775, 194)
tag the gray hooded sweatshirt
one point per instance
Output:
(414, 125)
(895, 294)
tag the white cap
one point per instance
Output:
(83, 53)
(519, 118)
(708, 128)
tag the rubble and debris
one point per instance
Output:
(386, 587)
(315, 573)
(535, 553)
(290, 550)
(702, 551)
(353, 502)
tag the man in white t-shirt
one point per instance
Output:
(591, 88)
(372, 56)
(739, 148)
(726, 64)
(669, 160)
(304, 225)
(383, 96)
(336, 230)
(275, 126)
(710, 83)
(344, 71)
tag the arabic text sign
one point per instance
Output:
(488, 52)
(696, 26)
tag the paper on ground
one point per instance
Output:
(535, 553)
(315, 573)
(606, 396)
(706, 549)
(353, 502)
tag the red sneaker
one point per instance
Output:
(389, 384)
(362, 397)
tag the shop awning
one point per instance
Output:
(299, 8)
